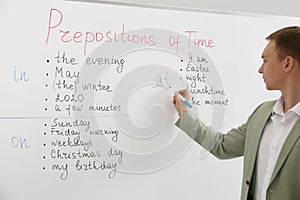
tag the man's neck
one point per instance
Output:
(290, 100)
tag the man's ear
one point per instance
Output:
(289, 62)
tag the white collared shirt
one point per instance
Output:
(274, 135)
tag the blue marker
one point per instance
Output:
(185, 101)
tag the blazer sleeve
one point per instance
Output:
(223, 146)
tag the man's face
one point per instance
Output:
(272, 68)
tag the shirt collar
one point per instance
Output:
(278, 107)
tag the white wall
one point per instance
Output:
(269, 7)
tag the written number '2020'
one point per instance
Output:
(69, 98)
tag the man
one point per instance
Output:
(270, 138)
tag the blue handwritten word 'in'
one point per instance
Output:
(162, 81)
(20, 143)
(20, 75)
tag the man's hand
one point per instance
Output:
(178, 103)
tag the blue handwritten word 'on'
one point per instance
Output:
(20, 143)
(20, 76)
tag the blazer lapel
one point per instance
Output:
(287, 147)
(260, 122)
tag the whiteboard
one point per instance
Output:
(87, 88)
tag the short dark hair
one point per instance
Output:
(287, 42)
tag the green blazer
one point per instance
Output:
(244, 141)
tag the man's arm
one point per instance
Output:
(223, 146)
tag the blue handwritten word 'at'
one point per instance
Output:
(162, 81)
(20, 143)
(20, 75)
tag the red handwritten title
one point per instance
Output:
(56, 30)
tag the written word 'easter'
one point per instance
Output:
(199, 68)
